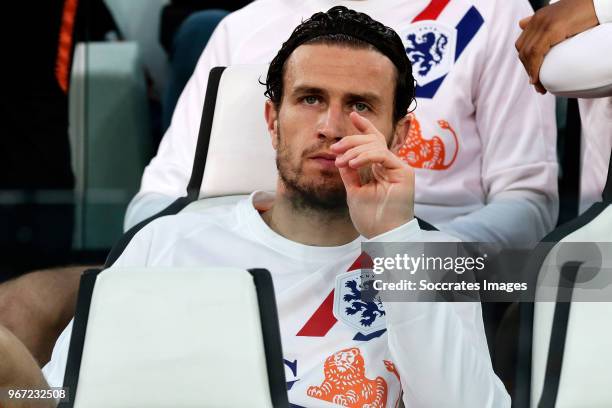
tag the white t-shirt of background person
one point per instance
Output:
(596, 118)
(595, 113)
(435, 352)
(483, 143)
(596, 145)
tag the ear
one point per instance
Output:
(271, 116)
(399, 134)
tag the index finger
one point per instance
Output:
(362, 124)
(535, 50)
(348, 142)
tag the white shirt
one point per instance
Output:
(501, 187)
(603, 10)
(596, 116)
(588, 57)
(435, 352)
(596, 145)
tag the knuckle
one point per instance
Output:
(556, 31)
(517, 45)
(540, 16)
(528, 53)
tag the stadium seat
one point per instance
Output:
(565, 358)
(235, 162)
(175, 337)
(234, 155)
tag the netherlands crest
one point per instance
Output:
(350, 307)
(430, 46)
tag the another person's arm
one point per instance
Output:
(19, 370)
(38, 305)
(553, 24)
(166, 177)
(580, 67)
(518, 135)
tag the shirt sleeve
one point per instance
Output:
(440, 352)
(440, 349)
(603, 10)
(166, 177)
(581, 66)
(518, 136)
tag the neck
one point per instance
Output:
(308, 226)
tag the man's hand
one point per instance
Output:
(549, 26)
(384, 198)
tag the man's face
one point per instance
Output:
(322, 85)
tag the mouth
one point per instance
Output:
(324, 156)
(325, 160)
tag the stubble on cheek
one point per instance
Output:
(322, 190)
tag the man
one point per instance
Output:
(482, 143)
(338, 91)
(550, 26)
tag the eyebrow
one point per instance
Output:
(365, 96)
(307, 90)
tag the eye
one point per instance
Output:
(310, 99)
(360, 107)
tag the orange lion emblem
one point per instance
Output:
(426, 153)
(345, 382)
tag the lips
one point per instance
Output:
(324, 156)
(325, 160)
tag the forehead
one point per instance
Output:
(340, 69)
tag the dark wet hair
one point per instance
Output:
(340, 25)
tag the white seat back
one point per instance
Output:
(173, 337)
(240, 156)
(587, 357)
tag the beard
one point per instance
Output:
(325, 193)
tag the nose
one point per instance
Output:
(333, 123)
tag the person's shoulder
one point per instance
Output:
(197, 217)
(166, 231)
(160, 236)
(261, 15)
(254, 13)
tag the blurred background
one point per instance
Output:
(89, 89)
